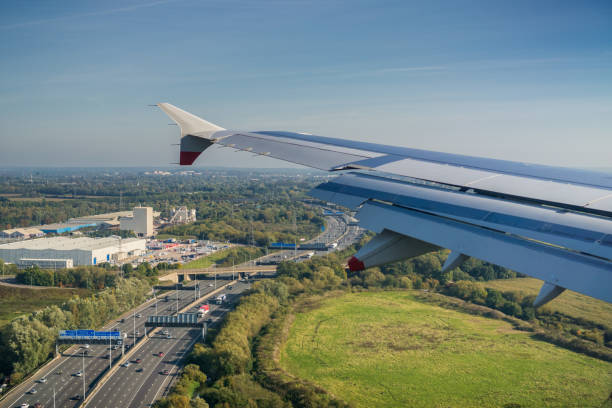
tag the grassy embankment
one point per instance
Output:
(18, 301)
(224, 257)
(386, 349)
(570, 303)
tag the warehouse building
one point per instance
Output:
(63, 227)
(21, 233)
(79, 251)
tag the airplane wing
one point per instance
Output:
(552, 223)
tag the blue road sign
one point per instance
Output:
(89, 333)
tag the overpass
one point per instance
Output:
(179, 275)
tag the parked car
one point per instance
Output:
(42, 380)
(138, 361)
(166, 372)
(78, 374)
(138, 315)
(126, 364)
(32, 391)
(160, 354)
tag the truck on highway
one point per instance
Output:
(308, 255)
(220, 299)
(204, 309)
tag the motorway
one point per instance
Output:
(140, 384)
(60, 374)
(128, 387)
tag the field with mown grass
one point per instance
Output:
(569, 302)
(224, 257)
(16, 301)
(387, 349)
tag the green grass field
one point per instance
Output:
(569, 303)
(208, 260)
(388, 350)
(223, 257)
(17, 301)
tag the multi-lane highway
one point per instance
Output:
(61, 375)
(141, 383)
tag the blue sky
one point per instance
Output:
(520, 80)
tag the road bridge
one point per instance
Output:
(180, 275)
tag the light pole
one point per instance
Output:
(110, 353)
(215, 279)
(84, 374)
(156, 307)
(134, 342)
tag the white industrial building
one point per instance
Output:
(141, 222)
(21, 233)
(78, 251)
(182, 215)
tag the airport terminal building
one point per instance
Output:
(75, 251)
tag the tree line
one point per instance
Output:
(29, 341)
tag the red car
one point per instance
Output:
(161, 354)
(138, 361)
(166, 372)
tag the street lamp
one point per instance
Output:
(84, 374)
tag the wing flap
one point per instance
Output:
(575, 271)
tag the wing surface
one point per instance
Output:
(548, 222)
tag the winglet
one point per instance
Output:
(196, 133)
(190, 124)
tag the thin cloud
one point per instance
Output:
(411, 69)
(83, 15)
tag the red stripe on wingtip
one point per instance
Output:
(355, 265)
(188, 158)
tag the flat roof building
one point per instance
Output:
(21, 233)
(82, 251)
(60, 228)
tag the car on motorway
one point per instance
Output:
(166, 372)
(78, 374)
(160, 354)
(138, 361)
